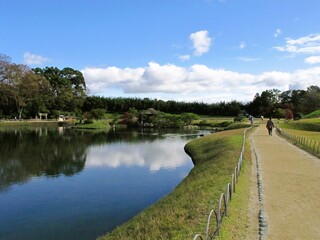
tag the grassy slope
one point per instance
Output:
(315, 114)
(184, 212)
(308, 128)
(97, 124)
(306, 134)
(312, 124)
(236, 225)
(301, 133)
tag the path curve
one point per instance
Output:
(291, 187)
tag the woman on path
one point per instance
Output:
(270, 126)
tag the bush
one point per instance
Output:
(298, 116)
(239, 119)
(223, 124)
(204, 123)
(97, 113)
(88, 121)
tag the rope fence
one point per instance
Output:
(224, 200)
(311, 145)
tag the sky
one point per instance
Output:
(184, 50)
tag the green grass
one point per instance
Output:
(309, 120)
(213, 122)
(223, 118)
(184, 212)
(27, 123)
(312, 124)
(308, 134)
(96, 124)
(315, 114)
(235, 225)
(304, 134)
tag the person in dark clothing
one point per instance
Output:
(270, 126)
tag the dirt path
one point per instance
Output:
(291, 187)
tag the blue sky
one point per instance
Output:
(185, 50)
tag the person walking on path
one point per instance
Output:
(251, 118)
(270, 126)
(291, 189)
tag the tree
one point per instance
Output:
(97, 113)
(265, 103)
(67, 85)
(288, 114)
(19, 85)
(311, 101)
(187, 118)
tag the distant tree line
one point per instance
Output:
(25, 92)
(288, 104)
(121, 104)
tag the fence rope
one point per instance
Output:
(224, 198)
(306, 143)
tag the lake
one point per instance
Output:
(60, 183)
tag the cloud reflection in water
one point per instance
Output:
(155, 155)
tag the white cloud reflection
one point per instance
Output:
(153, 155)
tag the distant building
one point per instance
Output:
(147, 116)
(63, 118)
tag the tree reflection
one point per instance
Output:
(25, 153)
(36, 152)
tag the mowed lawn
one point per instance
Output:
(308, 128)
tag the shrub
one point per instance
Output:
(204, 123)
(223, 124)
(298, 116)
(88, 121)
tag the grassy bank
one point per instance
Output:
(26, 123)
(184, 212)
(304, 134)
(96, 124)
(236, 225)
(312, 124)
(301, 133)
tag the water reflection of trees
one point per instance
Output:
(28, 153)
(51, 152)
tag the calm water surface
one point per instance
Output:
(67, 184)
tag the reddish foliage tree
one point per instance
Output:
(288, 114)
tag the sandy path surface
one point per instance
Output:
(291, 187)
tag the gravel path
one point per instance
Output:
(290, 188)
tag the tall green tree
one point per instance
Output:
(67, 85)
(311, 100)
(19, 86)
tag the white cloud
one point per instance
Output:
(312, 60)
(275, 79)
(184, 57)
(103, 78)
(277, 33)
(195, 83)
(242, 45)
(32, 59)
(201, 42)
(306, 45)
